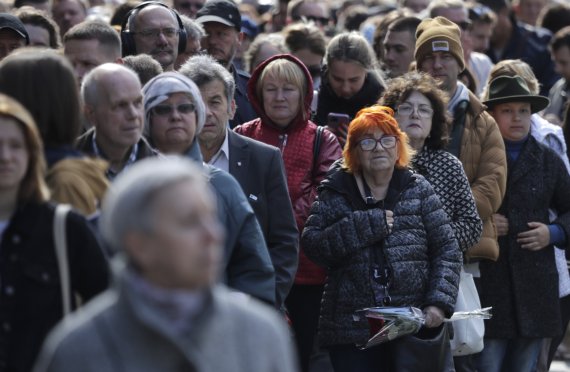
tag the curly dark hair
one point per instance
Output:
(400, 88)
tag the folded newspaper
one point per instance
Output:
(389, 323)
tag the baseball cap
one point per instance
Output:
(221, 11)
(13, 23)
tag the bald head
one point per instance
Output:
(96, 82)
(156, 32)
(113, 106)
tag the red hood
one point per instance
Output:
(256, 102)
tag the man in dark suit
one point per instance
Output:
(257, 167)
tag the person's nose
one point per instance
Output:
(279, 95)
(437, 62)
(162, 40)
(389, 55)
(4, 152)
(415, 112)
(176, 114)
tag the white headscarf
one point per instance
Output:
(161, 87)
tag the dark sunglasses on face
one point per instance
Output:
(317, 20)
(479, 11)
(166, 110)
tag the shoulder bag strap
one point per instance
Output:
(317, 148)
(59, 233)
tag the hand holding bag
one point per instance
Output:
(468, 333)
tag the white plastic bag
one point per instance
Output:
(468, 333)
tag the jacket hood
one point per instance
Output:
(256, 101)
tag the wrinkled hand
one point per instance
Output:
(501, 223)
(389, 219)
(536, 238)
(434, 316)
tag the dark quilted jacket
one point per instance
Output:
(421, 250)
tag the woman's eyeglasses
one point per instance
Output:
(166, 110)
(387, 142)
(424, 111)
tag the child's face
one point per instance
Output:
(513, 119)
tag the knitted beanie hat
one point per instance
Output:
(438, 35)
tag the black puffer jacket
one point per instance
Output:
(421, 250)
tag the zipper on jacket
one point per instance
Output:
(282, 142)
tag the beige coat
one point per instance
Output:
(484, 158)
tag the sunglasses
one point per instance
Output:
(479, 11)
(167, 110)
(318, 20)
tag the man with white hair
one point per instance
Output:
(113, 107)
(256, 166)
(166, 313)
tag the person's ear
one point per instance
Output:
(89, 113)
(241, 37)
(137, 247)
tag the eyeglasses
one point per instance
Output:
(166, 110)
(387, 142)
(480, 11)
(169, 32)
(424, 111)
(318, 20)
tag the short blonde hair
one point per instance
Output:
(285, 69)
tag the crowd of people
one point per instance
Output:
(244, 177)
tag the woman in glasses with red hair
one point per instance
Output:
(381, 231)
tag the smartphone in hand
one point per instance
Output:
(336, 120)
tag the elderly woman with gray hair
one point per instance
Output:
(174, 116)
(166, 312)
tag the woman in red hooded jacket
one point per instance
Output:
(281, 91)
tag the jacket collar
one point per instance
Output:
(339, 180)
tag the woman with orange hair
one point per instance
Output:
(381, 231)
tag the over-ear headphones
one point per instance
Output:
(128, 45)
